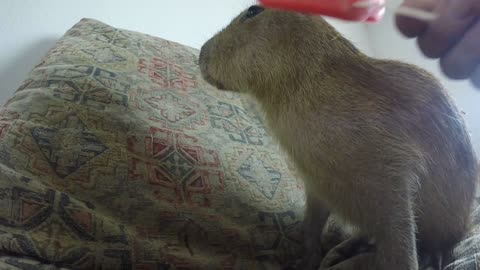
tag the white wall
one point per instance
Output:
(386, 42)
(356, 32)
(28, 28)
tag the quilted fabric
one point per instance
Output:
(116, 155)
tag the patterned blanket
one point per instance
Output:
(115, 154)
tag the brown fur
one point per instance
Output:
(380, 143)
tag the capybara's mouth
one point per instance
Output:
(203, 60)
(208, 78)
(215, 83)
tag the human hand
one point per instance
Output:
(454, 37)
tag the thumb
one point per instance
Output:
(411, 27)
(472, 5)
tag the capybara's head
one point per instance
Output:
(265, 47)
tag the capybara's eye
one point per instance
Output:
(254, 11)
